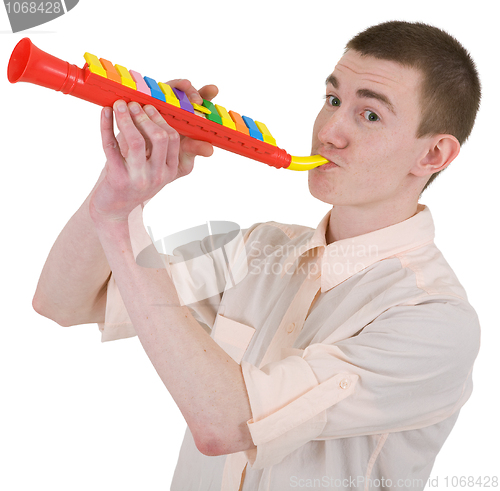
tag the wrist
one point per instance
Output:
(125, 233)
(109, 219)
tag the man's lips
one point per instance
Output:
(329, 165)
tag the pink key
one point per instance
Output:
(139, 81)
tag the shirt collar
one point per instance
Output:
(342, 259)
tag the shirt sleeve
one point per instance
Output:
(409, 368)
(201, 271)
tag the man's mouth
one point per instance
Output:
(328, 166)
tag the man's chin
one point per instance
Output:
(321, 195)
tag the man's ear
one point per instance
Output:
(440, 152)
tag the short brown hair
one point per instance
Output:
(451, 90)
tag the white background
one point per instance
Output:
(80, 415)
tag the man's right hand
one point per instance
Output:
(189, 148)
(147, 155)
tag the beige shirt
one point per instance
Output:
(357, 356)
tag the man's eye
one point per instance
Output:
(371, 116)
(332, 100)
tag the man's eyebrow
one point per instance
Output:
(363, 93)
(332, 79)
(370, 94)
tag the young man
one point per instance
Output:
(341, 357)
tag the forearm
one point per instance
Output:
(72, 286)
(206, 383)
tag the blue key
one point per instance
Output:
(155, 89)
(252, 128)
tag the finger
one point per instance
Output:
(186, 87)
(193, 148)
(145, 126)
(170, 153)
(156, 132)
(109, 142)
(208, 92)
(189, 150)
(135, 143)
(122, 143)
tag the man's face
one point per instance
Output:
(367, 128)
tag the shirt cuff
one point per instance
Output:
(288, 406)
(117, 323)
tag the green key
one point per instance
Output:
(214, 115)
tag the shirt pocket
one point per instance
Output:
(232, 336)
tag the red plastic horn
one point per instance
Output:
(30, 64)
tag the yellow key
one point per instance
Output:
(95, 65)
(268, 138)
(127, 79)
(201, 109)
(224, 115)
(169, 94)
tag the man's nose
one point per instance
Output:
(335, 130)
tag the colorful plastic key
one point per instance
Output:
(111, 72)
(170, 97)
(183, 100)
(95, 65)
(252, 128)
(238, 121)
(200, 109)
(127, 80)
(155, 89)
(142, 86)
(268, 138)
(226, 119)
(214, 115)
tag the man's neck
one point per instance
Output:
(351, 221)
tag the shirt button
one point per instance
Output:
(344, 383)
(291, 327)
